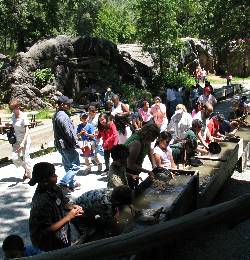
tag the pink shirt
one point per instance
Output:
(145, 115)
(159, 113)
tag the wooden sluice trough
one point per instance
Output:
(213, 173)
(192, 190)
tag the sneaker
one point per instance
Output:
(99, 167)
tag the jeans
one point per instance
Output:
(71, 164)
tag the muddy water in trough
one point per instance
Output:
(159, 195)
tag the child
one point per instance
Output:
(117, 171)
(13, 247)
(85, 131)
(107, 131)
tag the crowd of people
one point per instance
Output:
(169, 133)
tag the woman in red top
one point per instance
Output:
(107, 131)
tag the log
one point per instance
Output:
(161, 235)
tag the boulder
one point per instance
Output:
(48, 90)
(196, 52)
(76, 63)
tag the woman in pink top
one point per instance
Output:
(144, 112)
(158, 111)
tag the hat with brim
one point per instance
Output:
(41, 171)
(64, 100)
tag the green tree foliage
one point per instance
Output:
(189, 14)
(114, 23)
(158, 30)
(224, 21)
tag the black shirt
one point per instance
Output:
(46, 209)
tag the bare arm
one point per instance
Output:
(202, 140)
(134, 151)
(151, 157)
(75, 212)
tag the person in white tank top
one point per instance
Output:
(120, 114)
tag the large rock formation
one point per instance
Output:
(196, 52)
(76, 64)
(237, 58)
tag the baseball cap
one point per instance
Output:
(41, 171)
(84, 114)
(207, 90)
(64, 100)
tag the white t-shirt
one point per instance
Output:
(166, 156)
(198, 116)
(204, 99)
(94, 120)
(180, 126)
(19, 125)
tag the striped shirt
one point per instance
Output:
(64, 132)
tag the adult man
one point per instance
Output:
(48, 223)
(102, 208)
(108, 94)
(65, 141)
(207, 97)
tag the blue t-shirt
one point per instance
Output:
(89, 128)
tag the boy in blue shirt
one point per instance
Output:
(86, 132)
(13, 247)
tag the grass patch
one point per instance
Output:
(45, 114)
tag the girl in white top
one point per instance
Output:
(20, 124)
(163, 153)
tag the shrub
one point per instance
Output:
(44, 114)
(42, 76)
(178, 79)
(133, 95)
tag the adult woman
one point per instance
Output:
(158, 111)
(180, 122)
(162, 152)
(20, 124)
(139, 146)
(93, 116)
(120, 113)
(144, 112)
(107, 131)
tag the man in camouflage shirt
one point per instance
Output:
(102, 206)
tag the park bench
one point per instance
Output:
(34, 122)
